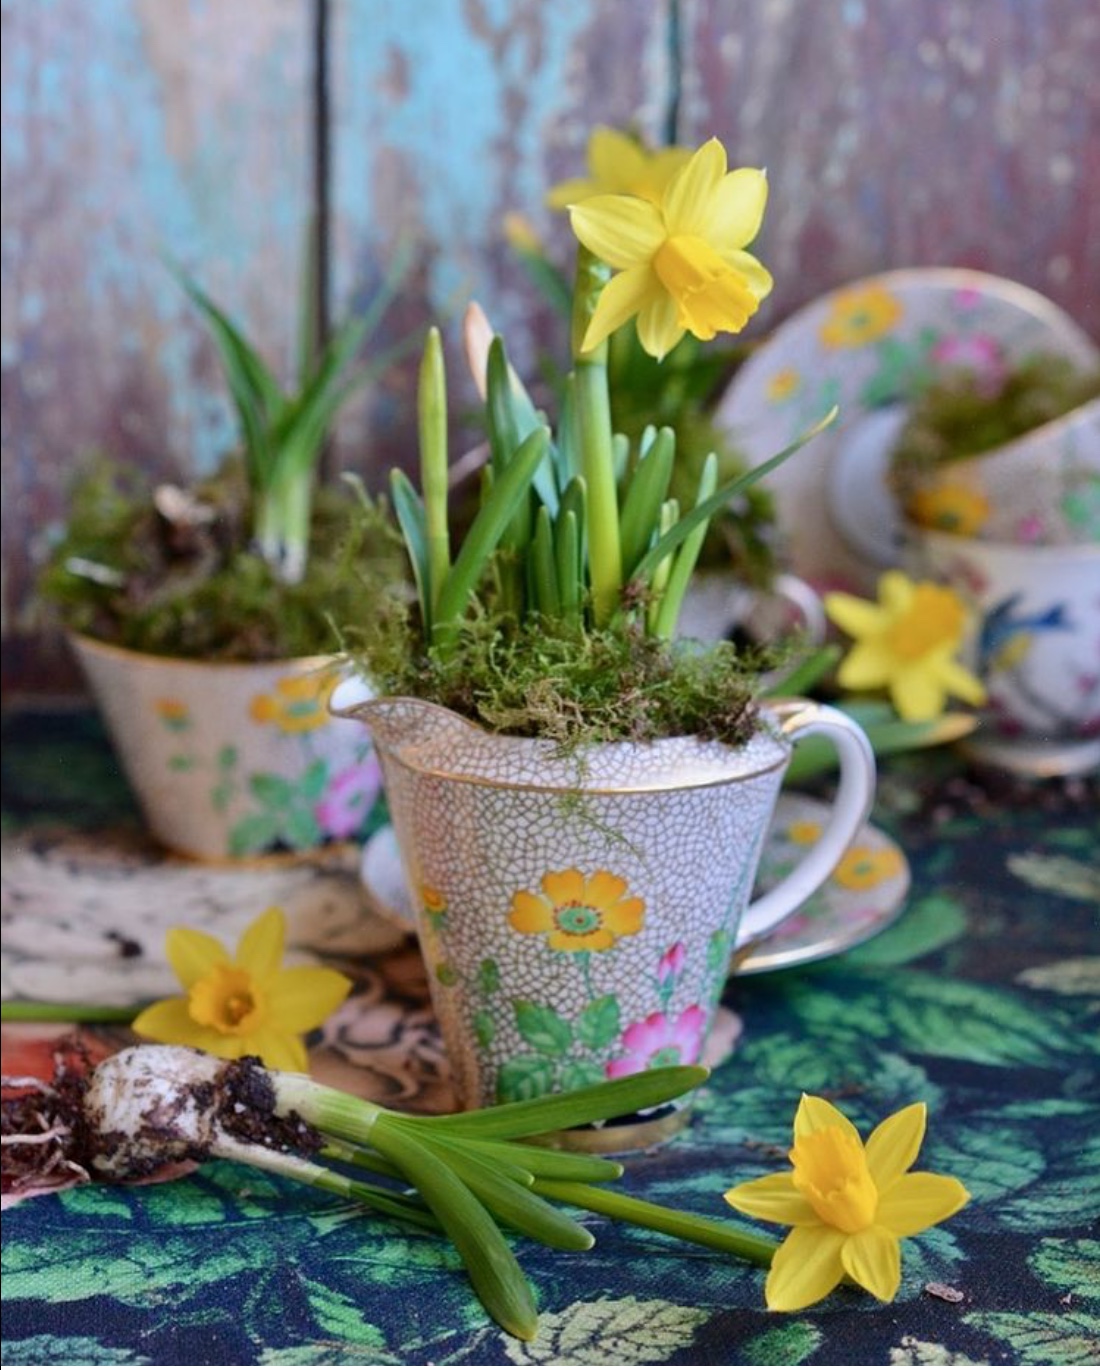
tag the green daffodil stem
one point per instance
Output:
(432, 427)
(32, 1011)
(595, 443)
(388, 1202)
(701, 1231)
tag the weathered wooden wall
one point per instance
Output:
(896, 133)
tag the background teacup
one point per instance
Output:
(1041, 489)
(1034, 643)
(717, 606)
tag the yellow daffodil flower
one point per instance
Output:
(247, 1004)
(906, 644)
(620, 165)
(848, 1204)
(679, 264)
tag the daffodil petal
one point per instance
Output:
(917, 694)
(278, 1050)
(570, 192)
(193, 954)
(260, 950)
(917, 1201)
(619, 229)
(304, 996)
(170, 1021)
(895, 592)
(614, 158)
(856, 617)
(736, 208)
(805, 1269)
(814, 1115)
(625, 295)
(687, 202)
(893, 1146)
(873, 1259)
(773, 1199)
(867, 666)
(756, 277)
(958, 681)
(659, 327)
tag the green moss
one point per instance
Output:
(537, 680)
(182, 580)
(958, 415)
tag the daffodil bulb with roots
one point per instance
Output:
(152, 1107)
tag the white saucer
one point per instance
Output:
(866, 348)
(865, 894)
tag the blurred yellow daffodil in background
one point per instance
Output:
(247, 1004)
(679, 263)
(619, 164)
(906, 644)
(848, 1204)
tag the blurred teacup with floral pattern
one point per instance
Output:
(1041, 489)
(233, 760)
(1035, 640)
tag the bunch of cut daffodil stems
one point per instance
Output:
(464, 1174)
(574, 527)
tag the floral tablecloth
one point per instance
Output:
(981, 999)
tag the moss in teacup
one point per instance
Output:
(961, 414)
(172, 572)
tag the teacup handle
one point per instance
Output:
(855, 794)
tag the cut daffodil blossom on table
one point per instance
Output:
(906, 644)
(848, 1204)
(244, 1004)
(680, 264)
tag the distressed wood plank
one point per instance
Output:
(448, 114)
(132, 129)
(910, 133)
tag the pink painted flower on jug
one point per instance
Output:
(671, 963)
(349, 798)
(660, 1040)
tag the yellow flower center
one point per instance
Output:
(228, 1000)
(710, 295)
(934, 617)
(830, 1170)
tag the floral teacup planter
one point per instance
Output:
(1041, 489)
(577, 914)
(233, 761)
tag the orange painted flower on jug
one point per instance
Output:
(298, 703)
(575, 912)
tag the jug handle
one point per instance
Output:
(855, 794)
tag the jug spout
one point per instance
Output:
(401, 724)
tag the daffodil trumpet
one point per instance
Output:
(464, 1174)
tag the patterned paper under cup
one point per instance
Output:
(234, 761)
(1035, 639)
(577, 915)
